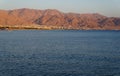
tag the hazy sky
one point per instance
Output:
(105, 7)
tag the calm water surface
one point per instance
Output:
(59, 53)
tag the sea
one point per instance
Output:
(59, 53)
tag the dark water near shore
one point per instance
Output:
(59, 53)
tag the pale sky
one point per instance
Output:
(104, 7)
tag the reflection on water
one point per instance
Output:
(59, 53)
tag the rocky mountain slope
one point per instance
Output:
(50, 17)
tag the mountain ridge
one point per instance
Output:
(55, 18)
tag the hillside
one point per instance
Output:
(56, 19)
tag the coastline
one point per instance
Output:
(46, 27)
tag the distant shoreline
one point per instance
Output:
(45, 27)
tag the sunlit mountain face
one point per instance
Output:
(53, 17)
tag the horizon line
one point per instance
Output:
(58, 10)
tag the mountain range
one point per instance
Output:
(55, 18)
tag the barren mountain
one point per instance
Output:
(56, 18)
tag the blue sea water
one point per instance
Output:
(59, 53)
